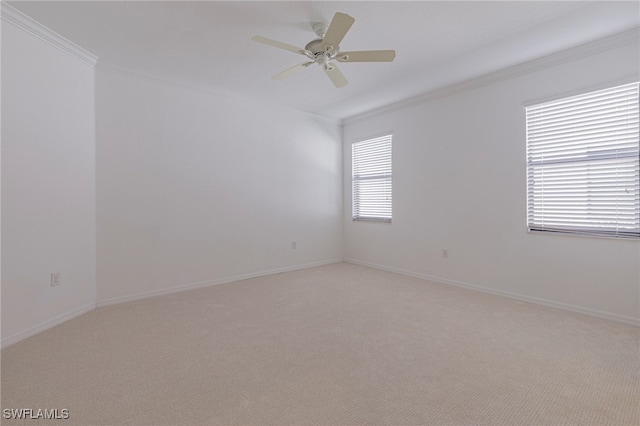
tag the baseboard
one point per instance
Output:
(530, 299)
(50, 323)
(225, 280)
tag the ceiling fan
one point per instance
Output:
(324, 50)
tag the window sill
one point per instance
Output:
(372, 220)
(582, 235)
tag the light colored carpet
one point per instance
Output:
(338, 344)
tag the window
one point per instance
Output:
(583, 172)
(372, 179)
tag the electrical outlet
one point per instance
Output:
(55, 279)
(293, 245)
(445, 253)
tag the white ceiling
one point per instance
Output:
(437, 43)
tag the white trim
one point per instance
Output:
(598, 46)
(632, 78)
(530, 299)
(45, 325)
(192, 286)
(202, 88)
(374, 136)
(14, 16)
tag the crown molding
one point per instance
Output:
(622, 39)
(202, 88)
(24, 22)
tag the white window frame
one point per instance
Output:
(371, 179)
(583, 164)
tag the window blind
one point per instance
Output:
(371, 172)
(583, 168)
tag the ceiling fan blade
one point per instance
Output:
(292, 70)
(338, 27)
(367, 56)
(335, 75)
(278, 44)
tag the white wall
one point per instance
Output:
(195, 188)
(459, 183)
(48, 185)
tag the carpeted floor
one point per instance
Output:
(338, 344)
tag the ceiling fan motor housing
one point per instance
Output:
(315, 47)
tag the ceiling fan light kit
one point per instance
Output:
(326, 48)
